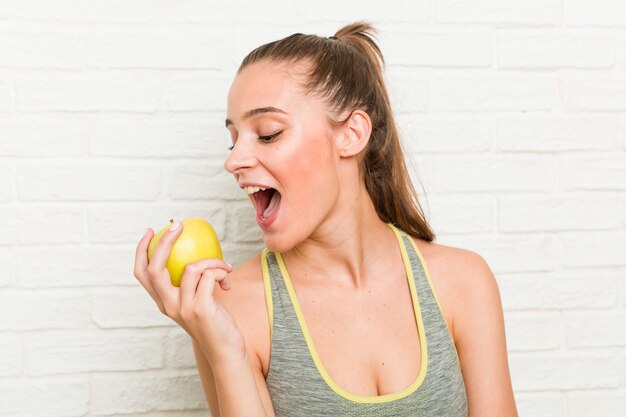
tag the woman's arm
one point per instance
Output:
(237, 395)
(206, 378)
(196, 307)
(481, 343)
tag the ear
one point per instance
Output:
(355, 133)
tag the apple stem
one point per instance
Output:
(171, 220)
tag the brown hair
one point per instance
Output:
(347, 70)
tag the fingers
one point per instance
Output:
(141, 263)
(141, 254)
(211, 269)
(163, 248)
(160, 276)
(206, 286)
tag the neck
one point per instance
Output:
(347, 247)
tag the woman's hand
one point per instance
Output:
(192, 306)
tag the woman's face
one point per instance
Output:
(283, 140)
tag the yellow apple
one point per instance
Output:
(197, 241)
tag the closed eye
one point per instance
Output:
(270, 138)
(265, 139)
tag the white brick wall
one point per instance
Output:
(111, 120)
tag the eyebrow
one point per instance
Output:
(256, 111)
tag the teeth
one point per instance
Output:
(252, 189)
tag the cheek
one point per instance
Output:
(314, 180)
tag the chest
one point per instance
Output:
(366, 340)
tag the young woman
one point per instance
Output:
(351, 309)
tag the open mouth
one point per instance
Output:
(266, 202)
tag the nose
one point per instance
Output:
(240, 157)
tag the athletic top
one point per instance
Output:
(299, 384)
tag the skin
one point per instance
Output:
(344, 262)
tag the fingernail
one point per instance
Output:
(229, 265)
(147, 231)
(174, 226)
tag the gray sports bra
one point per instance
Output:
(299, 384)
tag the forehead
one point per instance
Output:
(265, 84)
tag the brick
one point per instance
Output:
(622, 285)
(68, 266)
(532, 331)
(241, 223)
(127, 224)
(126, 307)
(422, 173)
(494, 92)
(509, 254)
(239, 43)
(85, 93)
(532, 12)
(35, 310)
(154, 47)
(491, 174)
(21, 397)
(191, 136)
(237, 254)
(559, 290)
(402, 11)
(540, 404)
(40, 50)
(86, 181)
(64, 351)
(597, 403)
(6, 9)
(555, 49)
(594, 94)
(565, 371)
(599, 171)
(554, 133)
(179, 350)
(554, 213)
(11, 354)
(475, 216)
(7, 181)
(621, 130)
(443, 49)
(600, 249)
(57, 136)
(202, 182)
(40, 225)
(7, 267)
(138, 393)
(597, 13)
(596, 328)
(246, 11)
(95, 10)
(449, 133)
(197, 93)
(6, 96)
(408, 92)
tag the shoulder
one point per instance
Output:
(473, 298)
(461, 279)
(245, 300)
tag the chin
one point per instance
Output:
(278, 243)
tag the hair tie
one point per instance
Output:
(332, 37)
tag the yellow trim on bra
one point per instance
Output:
(432, 289)
(418, 318)
(268, 291)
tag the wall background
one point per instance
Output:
(111, 120)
